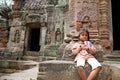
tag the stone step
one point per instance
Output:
(41, 75)
(42, 68)
(38, 58)
(30, 58)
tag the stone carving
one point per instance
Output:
(48, 37)
(78, 25)
(58, 35)
(86, 22)
(17, 36)
(33, 18)
(12, 32)
(86, 8)
(103, 29)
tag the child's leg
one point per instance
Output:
(94, 73)
(96, 67)
(82, 73)
(80, 65)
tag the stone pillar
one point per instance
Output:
(104, 26)
(42, 39)
(104, 31)
(50, 21)
(59, 20)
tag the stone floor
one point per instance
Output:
(30, 74)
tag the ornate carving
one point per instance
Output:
(104, 14)
(78, 25)
(48, 37)
(17, 36)
(33, 18)
(103, 29)
(87, 13)
(86, 8)
(58, 35)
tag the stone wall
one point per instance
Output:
(4, 34)
(57, 21)
(94, 16)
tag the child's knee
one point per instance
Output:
(99, 68)
(80, 68)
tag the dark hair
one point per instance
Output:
(84, 30)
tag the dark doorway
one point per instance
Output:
(35, 38)
(116, 24)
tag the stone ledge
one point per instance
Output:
(111, 70)
(58, 70)
(66, 70)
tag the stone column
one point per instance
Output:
(42, 39)
(50, 21)
(104, 31)
(59, 20)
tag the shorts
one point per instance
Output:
(92, 61)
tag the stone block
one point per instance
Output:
(51, 50)
(66, 70)
(58, 70)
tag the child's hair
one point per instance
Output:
(84, 30)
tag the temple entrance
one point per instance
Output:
(116, 23)
(34, 39)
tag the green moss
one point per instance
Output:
(51, 50)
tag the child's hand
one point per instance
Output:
(84, 47)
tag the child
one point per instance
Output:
(84, 50)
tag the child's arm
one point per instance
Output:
(90, 47)
(91, 50)
(76, 49)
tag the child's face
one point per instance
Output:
(83, 36)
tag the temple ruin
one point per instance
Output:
(43, 30)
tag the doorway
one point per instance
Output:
(34, 39)
(116, 23)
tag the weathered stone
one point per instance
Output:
(110, 71)
(51, 50)
(58, 70)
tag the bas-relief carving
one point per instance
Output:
(33, 18)
(12, 32)
(58, 36)
(104, 29)
(87, 13)
(48, 37)
(86, 8)
(104, 14)
(17, 36)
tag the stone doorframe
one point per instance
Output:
(30, 26)
(33, 20)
